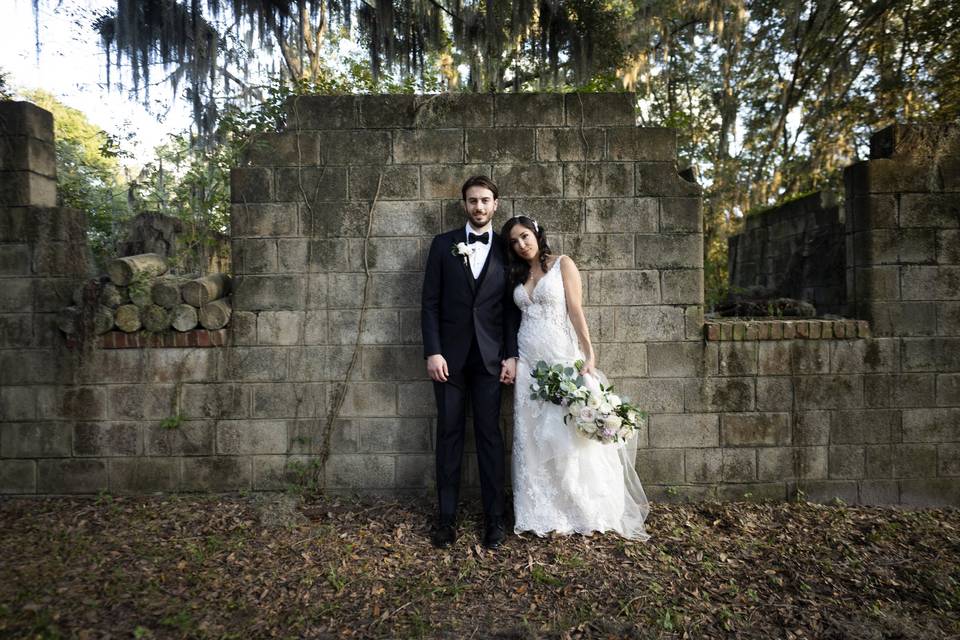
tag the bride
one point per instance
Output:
(562, 482)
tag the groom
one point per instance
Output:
(469, 324)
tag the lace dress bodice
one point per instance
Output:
(545, 329)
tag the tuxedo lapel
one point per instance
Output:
(465, 266)
(494, 261)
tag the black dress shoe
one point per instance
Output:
(495, 533)
(444, 533)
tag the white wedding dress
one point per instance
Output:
(562, 481)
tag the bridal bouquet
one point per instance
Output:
(597, 412)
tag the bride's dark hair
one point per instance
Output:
(519, 268)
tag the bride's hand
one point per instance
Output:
(589, 366)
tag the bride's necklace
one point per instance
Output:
(533, 282)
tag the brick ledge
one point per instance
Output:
(726, 329)
(143, 340)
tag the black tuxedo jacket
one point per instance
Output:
(456, 307)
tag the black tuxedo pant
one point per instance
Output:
(483, 388)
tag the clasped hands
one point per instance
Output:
(438, 371)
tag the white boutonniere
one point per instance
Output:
(462, 249)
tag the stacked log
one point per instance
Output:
(138, 292)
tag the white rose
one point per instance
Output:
(574, 409)
(625, 432)
(606, 408)
(612, 422)
(589, 426)
(614, 399)
(587, 414)
(632, 417)
(463, 248)
(535, 386)
(593, 401)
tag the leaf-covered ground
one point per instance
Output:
(255, 566)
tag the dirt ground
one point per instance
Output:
(281, 565)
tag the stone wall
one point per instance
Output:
(331, 221)
(795, 250)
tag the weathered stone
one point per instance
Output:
(320, 363)
(311, 185)
(660, 465)
(681, 359)
(321, 112)
(416, 399)
(25, 188)
(517, 109)
(930, 492)
(877, 355)
(649, 144)
(144, 475)
(78, 403)
(420, 146)
(755, 429)
(661, 251)
(900, 318)
(106, 439)
(557, 145)
(890, 176)
(585, 109)
(935, 210)
(926, 283)
(361, 471)
(255, 256)
(718, 394)
(913, 460)
(829, 391)
(737, 358)
(280, 327)
(393, 435)
(75, 475)
(824, 491)
(134, 402)
(35, 439)
(684, 430)
(865, 426)
(879, 461)
(395, 289)
(251, 437)
(661, 179)
(18, 476)
(682, 286)
(899, 390)
(374, 399)
(654, 395)
(752, 491)
(649, 323)
(554, 216)
(847, 461)
(259, 364)
(385, 182)
(251, 184)
(703, 465)
(604, 251)
(781, 463)
(490, 145)
(190, 438)
(681, 215)
(406, 219)
(931, 425)
(446, 181)
(529, 180)
(739, 465)
(290, 148)
(624, 360)
(621, 215)
(415, 471)
(221, 473)
(602, 179)
(217, 400)
(257, 293)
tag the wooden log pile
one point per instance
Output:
(138, 292)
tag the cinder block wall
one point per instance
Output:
(795, 250)
(331, 222)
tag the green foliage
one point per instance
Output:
(5, 92)
(172, 422)
(89, 177)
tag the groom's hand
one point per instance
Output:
(437, 368)
(508, 370)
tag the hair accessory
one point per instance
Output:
(536, 226)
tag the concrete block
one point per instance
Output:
(213, 400)
(865, 426)
(374, 399)
(934, 210)
(719, 394)
(900, 318)
(257, 293)
(77, 403)
(289, 148)
(18, 476)
(557, 145)
(361, 471)
(393, 435)
(782, 463)
(661, 251)
(395, 289)
(380, 326)
(393, 182)
(280, 327)
(914, 460)
(755, 429)
(899, 390)
(623, 360)
(25, 188)
(453, 110)
(416, 399)
(387, 111)
(879, 492)
(180, 365)
(930, 492)
(140, 402)
(584, 109)
(415, 471)
(216, 474)
(254, 364)
(681, 359)
(847, 461)
(811, 427)
(739, 465)
(320, 363)
(752, 491)
(606, 251)
(920, 282)
(703, 465)
(662, 179)
(107, 439)
(445, 181)
(239, 437)
(948, 459)
(354, 147)
(17, 403)
(829, 391)
(871, 212)
(17, 330)
(419, 146)
(680, 493)
(321, 112)
(621, 215)
(401, 363)
(251, 184)
(406, 219)
(877, 355)
(660, 465)
(684, 430)
(254, 255)
(490, 145)
(74, 475)
(189, 438)
(519, 109)
(682, 286)
(879, 461)
(775, 393)
(656, 395)
(825, 491)
(311, 185)
(647, 144)
(681, 215)
(948, 388)
(738, 358)
(529, 179)
(602, 179)
(931, 425)
(15, 295)
(649, 323)
(334, 219)
(144, 475)
(554, 216)
(14, 260)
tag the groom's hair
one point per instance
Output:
(480, 181)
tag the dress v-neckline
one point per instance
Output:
(542, 278)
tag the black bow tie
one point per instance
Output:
(482, 237)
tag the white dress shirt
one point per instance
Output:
(480, 250)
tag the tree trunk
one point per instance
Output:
(102, 320)
(155, 318)
(128, 318)
(141, 295)
(112, 296)
(124, 270)
(207, 289)
(166, 292)
(183, 317)
(215, 315)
